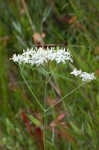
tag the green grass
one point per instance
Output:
(72, 124)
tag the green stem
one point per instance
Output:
(31, 90)
(45, 119)
(28, 15)
(61, 100)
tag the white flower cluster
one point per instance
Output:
(86, 77)
(37, 56)
(41, 55)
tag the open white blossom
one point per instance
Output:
(40, 56)
(76, 72)
(86, 77)
(63, 56)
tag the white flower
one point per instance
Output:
(76, 72)
(40, 56)
(63, 56)
(86, 77)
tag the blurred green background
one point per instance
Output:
(74, 125)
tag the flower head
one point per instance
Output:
(76, 72)
(40, 56)
(86, 77)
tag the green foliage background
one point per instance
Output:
(75, 22)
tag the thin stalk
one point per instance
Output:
(28, 15)
(45, 119)
(36, 99)
(61, 100)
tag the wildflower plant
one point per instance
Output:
(43, 58)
